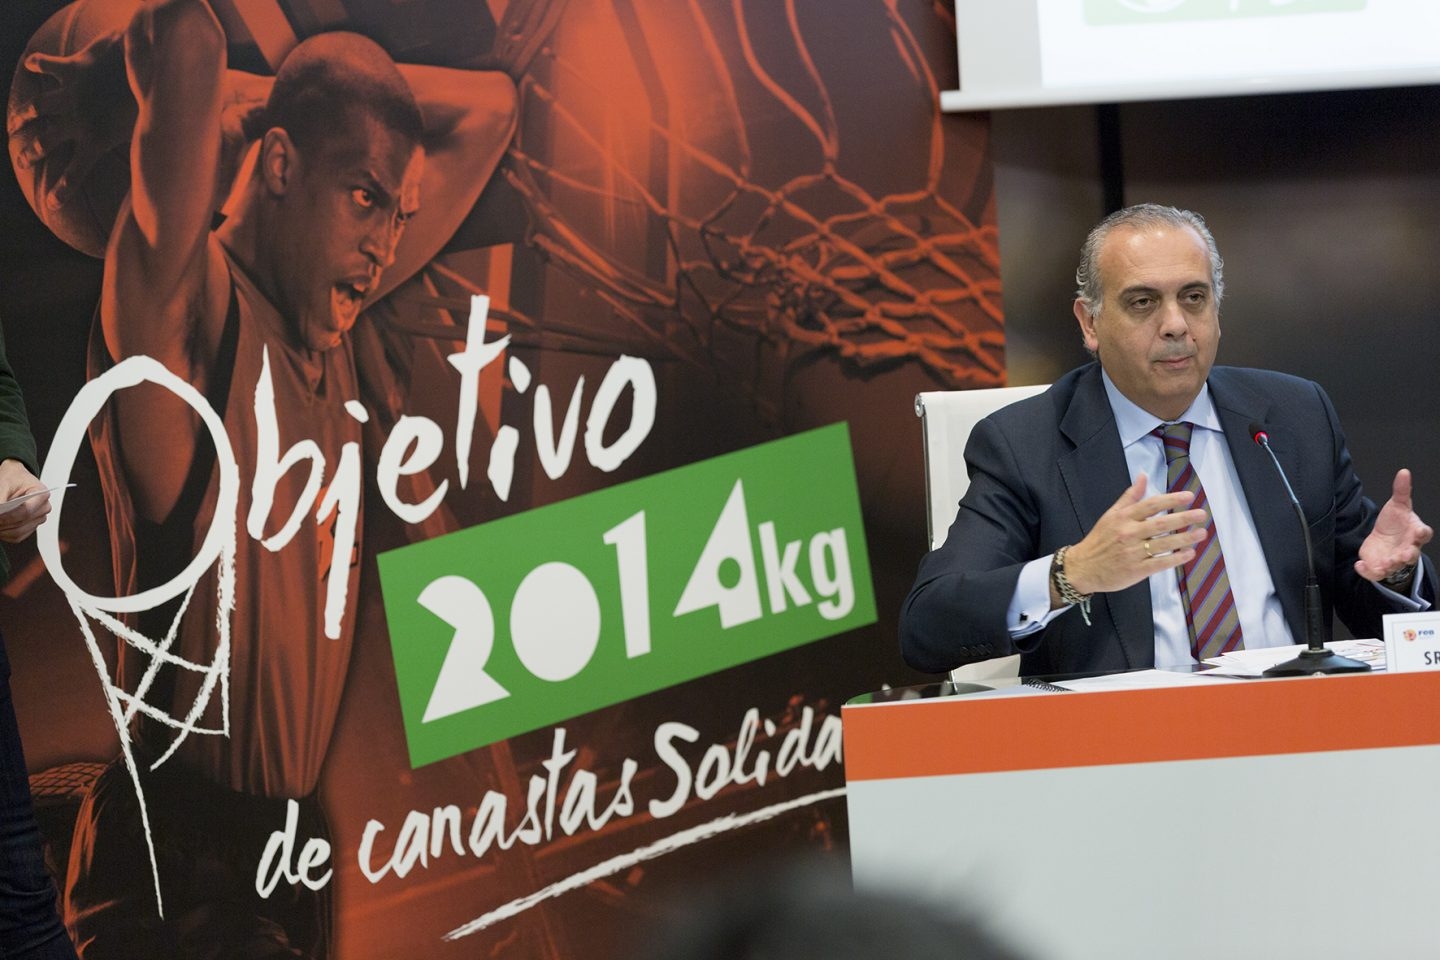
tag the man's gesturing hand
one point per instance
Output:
(1136, 537)
(1399, 533)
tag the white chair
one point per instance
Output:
(946, 419)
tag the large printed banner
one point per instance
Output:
(483, 446)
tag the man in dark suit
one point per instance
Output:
(30, 926)
(1059, 551)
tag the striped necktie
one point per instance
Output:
(1210, 613)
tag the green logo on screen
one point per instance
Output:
(528, 621)
(1107, 12)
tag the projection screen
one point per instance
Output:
(1028, 53)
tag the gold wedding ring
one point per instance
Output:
(1146, 544)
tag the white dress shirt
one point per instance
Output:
(1262, 619)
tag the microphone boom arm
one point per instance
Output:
(1316, 657)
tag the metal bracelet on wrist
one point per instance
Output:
(1064, 588)
(1400, 577)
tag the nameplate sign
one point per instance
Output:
(1412, 641)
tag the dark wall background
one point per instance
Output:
(1325, 208)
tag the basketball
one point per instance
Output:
(86, 217)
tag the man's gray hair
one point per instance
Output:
(1139, 216)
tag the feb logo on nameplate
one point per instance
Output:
(1412, 641)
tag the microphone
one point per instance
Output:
(1315, 658)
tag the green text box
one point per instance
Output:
(617, 591)
(1110, 12)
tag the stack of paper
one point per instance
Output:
(1252, 663)
(1138, 679)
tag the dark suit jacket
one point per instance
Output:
(16, 443)
(1043, 471)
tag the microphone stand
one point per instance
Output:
(1315, 658)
